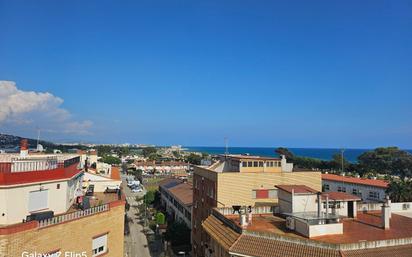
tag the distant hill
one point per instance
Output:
(10, 141)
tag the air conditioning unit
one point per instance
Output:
(290, 223)
(406, 206)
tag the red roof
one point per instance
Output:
(297, 189)
(361, 181)
(340, 196)
(115, 173)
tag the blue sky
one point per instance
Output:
(262, 73)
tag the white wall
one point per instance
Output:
(333, 187)
(15, 200)
(317, 230)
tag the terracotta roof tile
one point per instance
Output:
(298, 189)
(249, 245)
(220, 232)
(392, 251)
(362, 181)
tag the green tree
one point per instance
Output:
(194, 158)
(178, 234)
(284, 151)
(103, 150)
(110, 160)
(160, 218)
(336, 162)
(147, 151)
(400, 190)
(149, 197)
(387, 160)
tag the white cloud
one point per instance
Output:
(19, 108)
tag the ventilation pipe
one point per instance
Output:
(386, 213)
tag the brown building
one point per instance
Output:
(240, 180)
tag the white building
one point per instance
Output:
(369, 190)
(36, 183)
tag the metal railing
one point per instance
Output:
(73, 215)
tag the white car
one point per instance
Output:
(137, 190)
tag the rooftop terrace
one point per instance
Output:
(366, 227)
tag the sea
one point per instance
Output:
(320, 153)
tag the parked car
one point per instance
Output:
(137, 190)
(112, 189)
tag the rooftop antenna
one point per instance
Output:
(226, 146)
(38, 137)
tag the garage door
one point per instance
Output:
(38, 200)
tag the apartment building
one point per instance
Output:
(177, 200)
(169, 167)
(241, 180)
(43, 209)
(369, 190)
(304, 226)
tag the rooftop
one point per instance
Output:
(297, 189)
(361, 181)
(340, 196)
(8, 157)
(254, 157)
(366, 227)
(183, 192)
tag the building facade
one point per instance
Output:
(177, 200)
(232, 182)
(43, 209)
(369, 190)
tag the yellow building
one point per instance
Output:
(241, 180)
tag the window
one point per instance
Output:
(255, 164)
(262, 194)
(99, 245)
(342, 189)
(244, 164)
(260, 164)
(326, 187)
(374, 194)
(58, 186)
(38, 200)
(273, 193)
(250, 164)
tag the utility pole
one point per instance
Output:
(226, 146)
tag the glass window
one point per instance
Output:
(260, 164)
(273, 193)
(250, 164)
(255, 164)
(99, 245)
(244, 164)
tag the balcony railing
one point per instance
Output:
(73, 215)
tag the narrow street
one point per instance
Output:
(135, 244)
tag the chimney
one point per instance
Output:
(386, 213)
(242, 218)
(24, 148)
